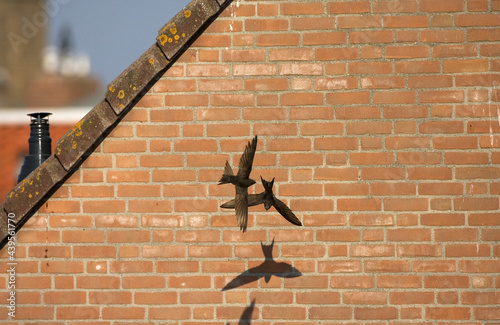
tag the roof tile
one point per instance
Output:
(30, 191)
(3, 221)
(82, 137)
(131, 82)
(187, 24)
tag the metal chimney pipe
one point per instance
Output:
(40, 143)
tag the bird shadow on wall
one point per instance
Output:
(266, 270)
(246, 317)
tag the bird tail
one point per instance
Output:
(226, 176)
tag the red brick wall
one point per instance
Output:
(380, 122)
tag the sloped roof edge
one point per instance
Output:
(122, 94)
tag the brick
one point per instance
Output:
(393, 7)
(394, 97)
(110, 297)
(51, 251)
(401, 235)
(467, 250)
(352, 282)
(430, 81)
(171, 115)
(412, 67)
(81, 236)
(62, 221)
(442, 219)
(164, 86)
(327, 54)
(371, 158)
(153, 298)
(134, 282)
(348, 7)
(328, 313)
(477, 20)
(486, 313)
(58, 297)
(371, 220)
(169, 313)
(372, 250)
(97, 282)
(365, 298)
(325, 38)
(300, 69)
(371, 37)
(255, 25)
(348, 189)
(62, 267)
(359, 204)
(443, 51)
(419, 250)
(464, 66)
(476, 203)
(387, 266)
(447, 313)
(366, 313)
(254, 69)
(307, 282)
(459, 158)
(442, 36)
(381, 173)
(382, 82)
(123, 312)
(94, 251)
(399, 281)
(434, 266)
(405, 142)
(77, 312)
(484, 219)
(448, 6)
(362, 21)
(301, 99)
(370, 67)
(480, 298)
(406, 21)
(301, 8)
(478, 266)
(278, 39)
(443, 281)
(306, 113)
(477, 5)
(368, 128)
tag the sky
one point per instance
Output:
(114, 33)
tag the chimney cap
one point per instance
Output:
(39, 117)
(39, 114)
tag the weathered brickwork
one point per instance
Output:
(379, 121)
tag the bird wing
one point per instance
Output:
(227, 169)
(246, 160)
(241, 207)
(253, 199)
(227, 175)
(285, 211)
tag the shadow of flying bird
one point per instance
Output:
(246, 317)
(268, 199)
(265, 270)
(241, 182)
